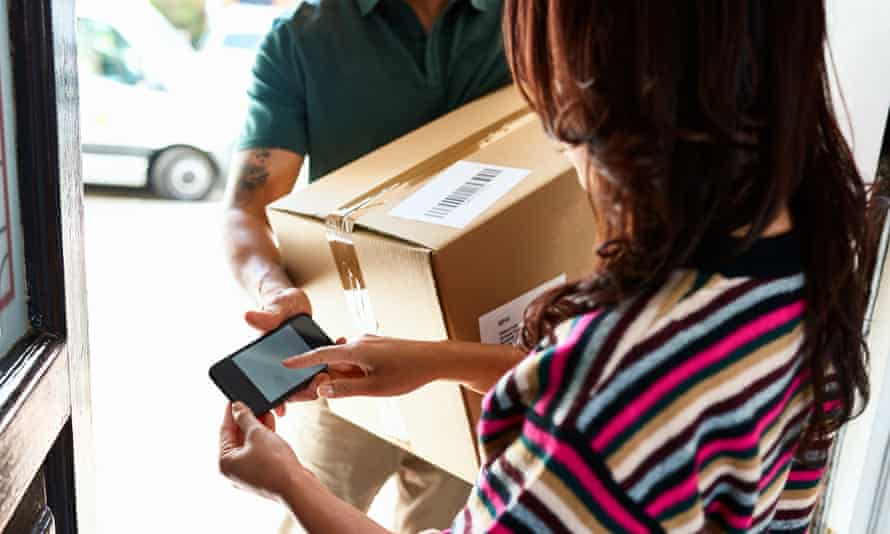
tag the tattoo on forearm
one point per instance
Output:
(254, 174)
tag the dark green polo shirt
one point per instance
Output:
(339, 78)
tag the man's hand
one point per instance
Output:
(278, 306)
(253, 456)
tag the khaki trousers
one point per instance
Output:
(354, 464)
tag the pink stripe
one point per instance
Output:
(702, 360)
(735, 521)
(492, 495)
(811, 475)
(677, 494)
(488, 398)
(685, 489)
(498, 528)
(576, 465)
(828, 406)
(559, 360)
(487, 427)
(780, 464)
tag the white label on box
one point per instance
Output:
(501, 325)
(459, 194)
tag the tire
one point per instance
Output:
(182, 173)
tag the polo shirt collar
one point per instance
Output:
(366, 6)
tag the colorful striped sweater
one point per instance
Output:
(679, 411)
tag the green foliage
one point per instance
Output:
(187, 15)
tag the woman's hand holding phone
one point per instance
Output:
(256, 459)
(253, 456)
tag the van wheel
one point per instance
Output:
(182, 173)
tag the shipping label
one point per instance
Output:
(459, 194)
(501, 325)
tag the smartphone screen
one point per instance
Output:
(255, 374)
(261, 363)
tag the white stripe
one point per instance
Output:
(581, 373)
(764, 523)
(692, 527)
(790, 524)
(500, 392)
(520, 375)
(637, 330)
(742, 498)
(769, 500)
(557, 507)
(798, 504)
(522, 385)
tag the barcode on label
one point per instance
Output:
(463, 194)
(509, 331)
(459, 194)
(504, 323)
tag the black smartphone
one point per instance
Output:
(255, 376)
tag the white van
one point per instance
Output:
(147, 117)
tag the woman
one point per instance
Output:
(694, 380)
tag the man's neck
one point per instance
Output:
(428, 11)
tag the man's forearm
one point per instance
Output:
(253, 253)
(258, 177)
(320, 512)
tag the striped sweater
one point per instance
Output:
(678, 411)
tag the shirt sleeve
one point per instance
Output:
(276, 115)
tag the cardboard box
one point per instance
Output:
(447, 232)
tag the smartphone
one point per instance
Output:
(254, 374)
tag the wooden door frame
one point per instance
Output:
(51, 362)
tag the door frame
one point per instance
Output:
(45, 415)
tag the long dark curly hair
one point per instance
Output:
(703, 119)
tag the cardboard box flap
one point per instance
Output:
(406, 157)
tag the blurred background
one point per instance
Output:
(162, 89)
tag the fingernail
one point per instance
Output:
(237, 407)
(326, 390)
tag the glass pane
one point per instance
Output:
(13, 300)
(104, 52)
(246, 41)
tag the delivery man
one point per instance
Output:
(333, 81)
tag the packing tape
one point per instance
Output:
(340, 223)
